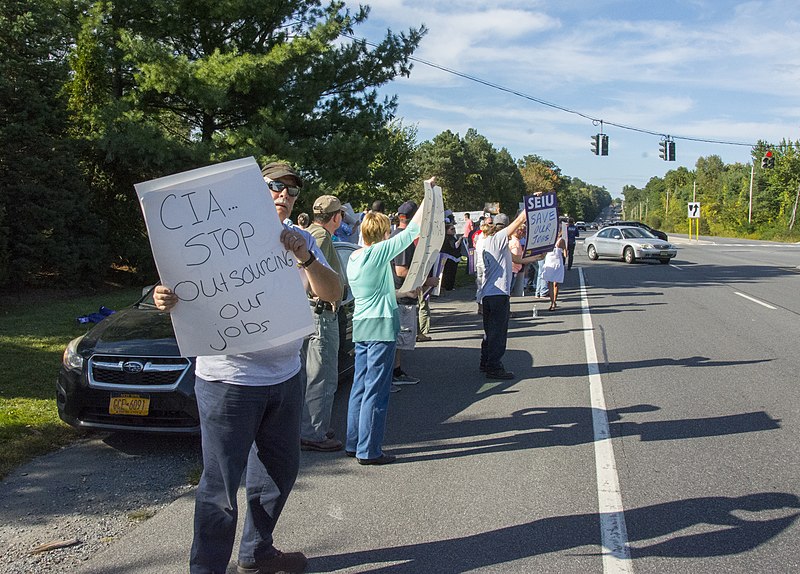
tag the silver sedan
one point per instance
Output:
(628, 243)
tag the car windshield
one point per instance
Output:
(147, 302)
(636, 233)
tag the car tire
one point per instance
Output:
(663, 261)
(629, 255)
(591, 252)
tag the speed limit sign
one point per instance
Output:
(694, 209)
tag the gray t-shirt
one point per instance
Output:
(496, 257)
(260, 368)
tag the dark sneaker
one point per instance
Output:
(404, 379)
(423, 338)
(382, 459)
(291, 562)
(394, 389)
(327, 445)
(501, 374)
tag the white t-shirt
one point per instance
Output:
(260, 368)
(496, 258)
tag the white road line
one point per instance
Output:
(613, 533)
(676, 267)
(754, 300)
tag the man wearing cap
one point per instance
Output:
(494, 292)
(250, 407)
(321, 349)
(406, 304)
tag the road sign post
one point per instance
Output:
(693, 210)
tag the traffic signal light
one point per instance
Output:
(666, 150)
(768, 161)
(603, 144)
(596, 144)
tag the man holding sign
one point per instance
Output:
(250, 406)
(495, 290)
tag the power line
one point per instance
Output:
(551, 104)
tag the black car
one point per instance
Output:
(126, 373)
(658, 233)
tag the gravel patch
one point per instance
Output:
(88, 495)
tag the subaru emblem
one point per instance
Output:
(133, 367)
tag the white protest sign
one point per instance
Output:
(542, 216)
(215, 236)
(431, 238)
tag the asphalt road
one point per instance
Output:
(696, 365)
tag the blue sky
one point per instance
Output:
(704, 69)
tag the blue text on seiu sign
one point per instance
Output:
(542, 211)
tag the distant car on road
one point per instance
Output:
(658, 233)
(581, 225)
(126, 373)
(628, 243)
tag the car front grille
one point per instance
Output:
(165, 412)
(115, 372)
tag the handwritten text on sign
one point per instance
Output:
(215, 237)
(542, 212)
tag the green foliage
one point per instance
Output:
(35, 327)
(161, 87)
(471, 171)
(47, 232)
(723, 191)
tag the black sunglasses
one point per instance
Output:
(279, 186)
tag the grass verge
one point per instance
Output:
(35, 326)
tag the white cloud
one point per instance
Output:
(701, 69)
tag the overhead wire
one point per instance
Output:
(523, 95)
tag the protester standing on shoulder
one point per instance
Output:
(495, 289)
(321, 349)
(515, 244)
(468, 225)
(249, 407)
(407, 302)
(451, 251)
(553, 270)
(376, 324)
(572, 234)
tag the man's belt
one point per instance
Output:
(320, 306)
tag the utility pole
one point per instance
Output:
(750, 206)
(794, 209)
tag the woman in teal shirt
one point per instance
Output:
(376, 323)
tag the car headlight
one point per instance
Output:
(72, 360)
(646, 246)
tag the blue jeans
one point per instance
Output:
(369, 398)
(496, 311)
(257, 428)
(541, 284)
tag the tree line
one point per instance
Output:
(97, 95)
(736, 200)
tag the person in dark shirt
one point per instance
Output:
(572, 233)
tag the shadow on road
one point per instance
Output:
(724, 533)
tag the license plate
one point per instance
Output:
(129, 405)
(665, 254)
